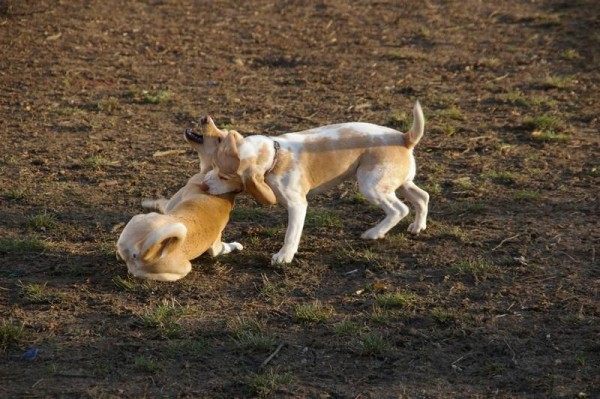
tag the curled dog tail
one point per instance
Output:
(413, 136)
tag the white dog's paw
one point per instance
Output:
(282, 256)
(415, 228)
(230, 247)
(372, 234)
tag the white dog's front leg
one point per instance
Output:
(296, 216)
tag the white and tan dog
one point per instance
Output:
(288, 167)
(159, 246)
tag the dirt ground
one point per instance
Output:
(498, 298)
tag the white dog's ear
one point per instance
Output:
(228, 156)
(254, 184)
(163, 241)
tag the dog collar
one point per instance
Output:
(276, 146)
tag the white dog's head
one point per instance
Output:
(233, 173)
(150, 244)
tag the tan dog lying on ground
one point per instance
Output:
(159, 246)
(288, 167)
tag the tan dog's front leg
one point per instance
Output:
(221, 248)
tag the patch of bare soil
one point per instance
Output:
(497, 298)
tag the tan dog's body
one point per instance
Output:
(160, 246)
(287, 168)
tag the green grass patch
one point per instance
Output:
(252, 334)
(516, 97)
(165, 319)
(271, 290)
(21, 246)
(500, 176)
(16, 194)
(374, 345)
(10, 333)
(455, 232)
(266, 383)
(443, 316)
(544, 122)
(147, 365)
(108, 105)
(526, 196)
(42, 221)
(469, 208)
(241, 213)
(347, 328)
(314, 312)
(394, 300)
(97, 162)
(149, 96)
(558, 82)
(452, 112)
(570, 55)
(38, 293)
(399, 120)
(477, 267)
(405, 54)
(322, 218)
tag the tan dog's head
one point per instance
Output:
(150, 244)
(205, 143)
(233, 173)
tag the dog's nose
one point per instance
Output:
(204, 186)
(206, 119)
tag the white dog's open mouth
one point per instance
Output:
(190, 135)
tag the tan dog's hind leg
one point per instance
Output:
(419, 198)
(158, 205)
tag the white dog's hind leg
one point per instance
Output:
(419, 198)
(296, 216)
(394, 210)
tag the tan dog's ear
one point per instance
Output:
(228, 156)
(163, 241)
(254, 183)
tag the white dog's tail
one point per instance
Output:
(413, 136)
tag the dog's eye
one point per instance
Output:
(223, 177)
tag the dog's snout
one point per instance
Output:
(204, 186)
(205, 120)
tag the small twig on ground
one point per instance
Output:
(498, 78)
(505, 241)
(272, 355)
(168, 152)
(514, 355)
